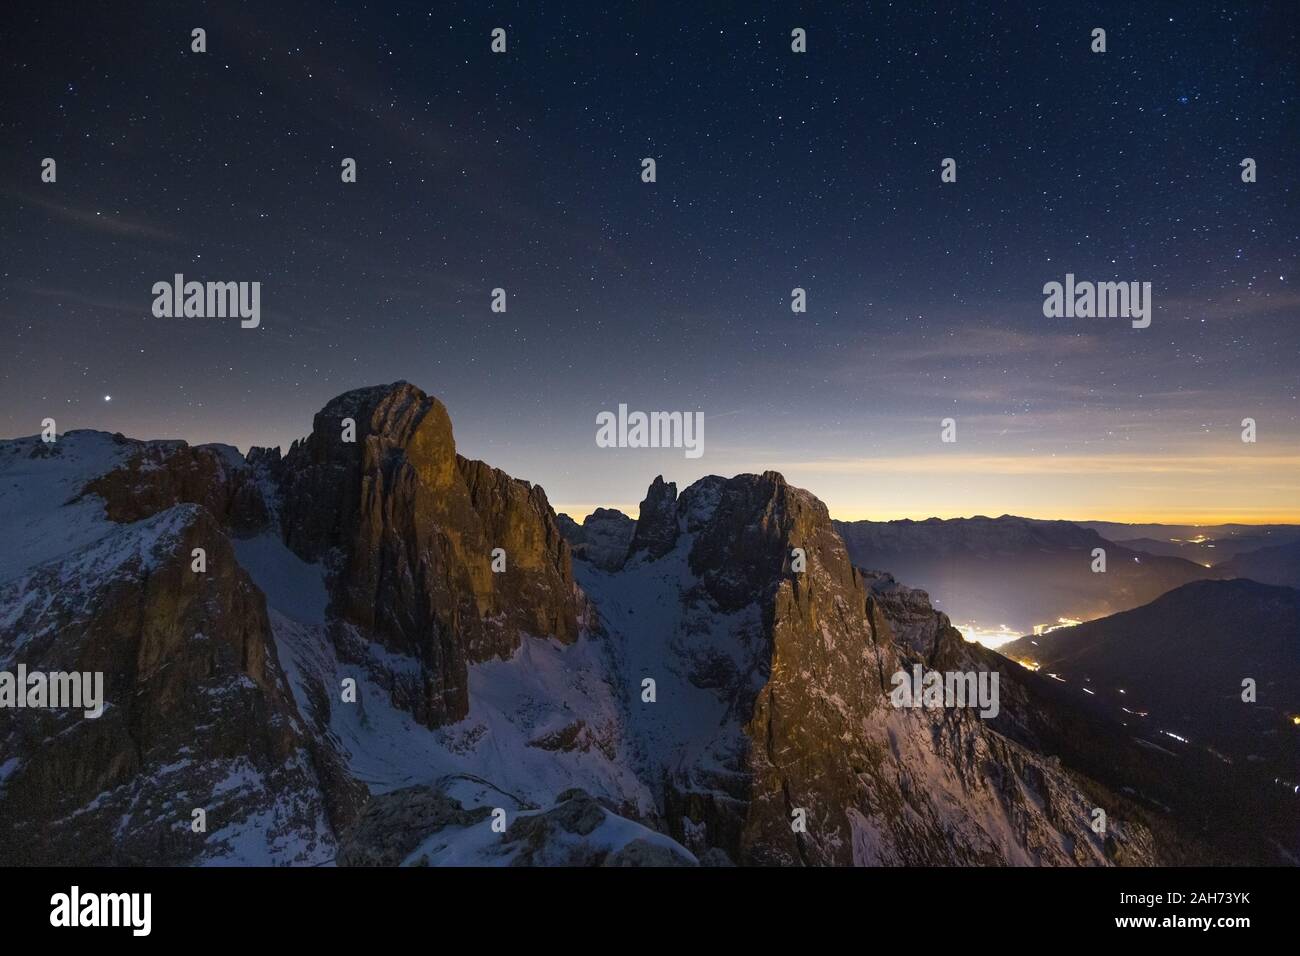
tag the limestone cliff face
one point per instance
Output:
(807, 722)
(905, 611)
(409, 529)
(536, 593)
(822, 670)
(197, 714)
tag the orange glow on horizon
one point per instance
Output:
(579, 512)
(1173, 518)
(1174, 489)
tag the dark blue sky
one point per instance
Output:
(775, 170)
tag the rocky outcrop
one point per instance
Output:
(752, 535)
(905, 611)
(422, 826)
(603, 538)
(393, 825)
(159, 475)
(445, 559)
(196, 714)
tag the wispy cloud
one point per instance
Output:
(97, 219)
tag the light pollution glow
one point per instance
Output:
(1220, 489)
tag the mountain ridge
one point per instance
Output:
(380, 648)
(1013, 573)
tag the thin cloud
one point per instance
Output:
(97, 219)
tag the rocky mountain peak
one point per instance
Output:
(656, 524)
(446, 559)
(754, 523)
(602, 539)
(392, 426)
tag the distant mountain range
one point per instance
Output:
(1274, 565)
(378, 652)
(1204, 544)
(1015, 572)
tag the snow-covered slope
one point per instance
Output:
(39, 487)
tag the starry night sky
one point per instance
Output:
(775, 170)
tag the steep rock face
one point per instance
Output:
(536, 593)
(824, 668)
(821, 665)
(656, 527)
(196, 711)
(824, 682)
(801, 663)
(906, 611)
(409, 528)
